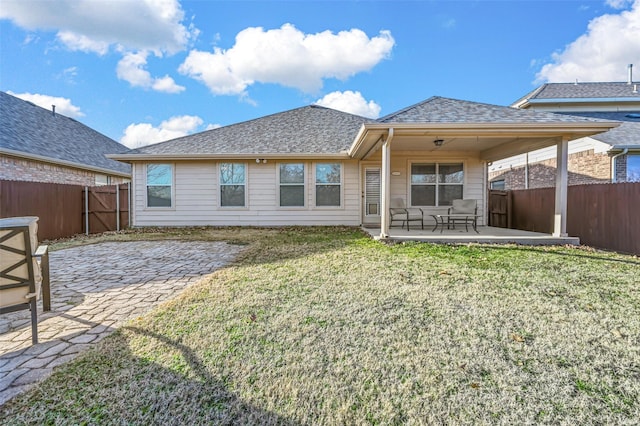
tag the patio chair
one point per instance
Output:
(463, 207)
(400, 212)
(24, 270)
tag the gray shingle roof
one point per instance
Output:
(628, 133)
(582, 91)
(27, 128)
(307, 130)
(445, 110)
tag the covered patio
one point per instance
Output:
(439, 150)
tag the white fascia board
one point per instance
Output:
(499, 128)
(35, 157)
(580, 100)
(631, 148)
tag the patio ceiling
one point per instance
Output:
(490, 141)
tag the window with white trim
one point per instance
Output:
(232, 184)
(159, 185)
(436, 184)
(328, 184)
(291, 178)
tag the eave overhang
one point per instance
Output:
(56, 161)
(526, 103)
(372, 134)
(620, 148)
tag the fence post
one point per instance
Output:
(129, 207)
(509, 209)
(86, 209)
(117, 207)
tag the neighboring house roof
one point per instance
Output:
(581, 92)
(445, 110)
(29, 131)
(302, 131)
(627, 135)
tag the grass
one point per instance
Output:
(325, 326)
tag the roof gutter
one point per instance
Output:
(568, 126)
(613, 164)
(578, 100)
(35, 157)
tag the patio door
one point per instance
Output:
(371, 204)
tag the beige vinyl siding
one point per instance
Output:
(197, 201)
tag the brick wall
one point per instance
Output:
(585, 167)
(13, 168)
(621, 168)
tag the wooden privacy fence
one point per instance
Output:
(602, 215)
(66, 210)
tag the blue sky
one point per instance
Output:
(145, 71)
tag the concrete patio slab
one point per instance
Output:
(465, 235)
(94, 289)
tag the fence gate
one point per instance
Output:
(500, 208)
(106, 208)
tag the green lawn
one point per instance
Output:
(325, 326)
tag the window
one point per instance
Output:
(633, 168)
(292, 185)
(436, 184)
(328, 184)
(232, 184)
(159, 182)
(498, 184)
(103, 180)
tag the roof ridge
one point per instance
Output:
(400, 111)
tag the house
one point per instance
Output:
(43, 146)
(318, 166)
(613, 156)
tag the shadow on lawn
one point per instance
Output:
(204, 400)
(112, 385)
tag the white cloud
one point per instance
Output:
(602, 53)
(618, 4)
(83, 43)
(351, 102)
(131, 69)
(212, 126)
(286, 56)
(141, 134)
(63, 105)
(90, 25)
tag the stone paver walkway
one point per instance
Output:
(94, 289)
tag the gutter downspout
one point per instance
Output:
(613, 164)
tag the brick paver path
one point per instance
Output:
(94, 289)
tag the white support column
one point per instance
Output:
(385, 186)
(562, 182)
